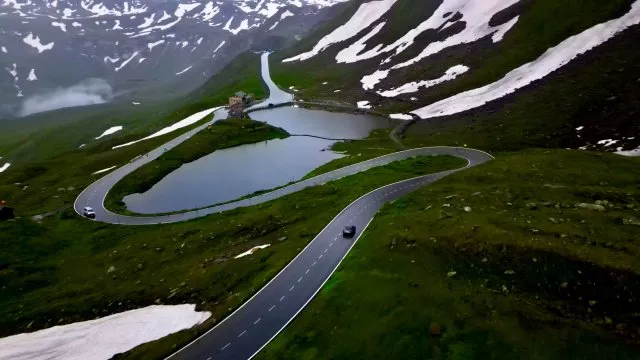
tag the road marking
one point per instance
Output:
(291, 288)
(209, 358)
(226, 346)
(314, 263)
(320, 257)
(325, 250)
(272, 307)
(242, 333)
(330, 244)
(282, 298)
(300, 279)
(257, 321)
(306, 272)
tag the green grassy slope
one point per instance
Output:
(495, 262)
(221, 135)
(598, 91)
(57, 271)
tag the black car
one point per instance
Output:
(349, 231)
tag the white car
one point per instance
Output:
(88, 212)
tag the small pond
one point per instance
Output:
(228, 174)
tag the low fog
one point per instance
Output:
(87, 92)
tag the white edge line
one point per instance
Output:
(315, 293)
(300, 253)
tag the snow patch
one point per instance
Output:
(476, 15)
(184, 71)
(103, 170)
(109, 131)
(164, 17)
(100, 9)
(66, 13)
(401, 116)
(3, 168)
(192, 119)
(364, 105)
(154, 44)
(370, 81)
(411, 87)
(366, 15)
(36, 44)
(32, 75)
(244, 25)
(4, 49)
(111, 60)
(252, 250)
(124, 63)
(209, 12)
(286, 14)
(60, 25)
(548, 62)
(102, 338)
(607, 142)
(634, 152)
(219, 46)
(185, 8)
(147, 21)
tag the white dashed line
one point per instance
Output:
(257, 321)
(300, 279)
(325, 250)
(242, 333)
(291, 288)
(226, 346)
(330, 244)
(320, 257)
(282, 298)
(306, 272)
(272, 307)
(314, 263)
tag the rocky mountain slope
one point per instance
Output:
(440, 59)
(137, 48)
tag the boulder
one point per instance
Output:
(593, 207)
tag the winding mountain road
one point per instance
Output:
(247, 330)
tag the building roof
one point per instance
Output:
(241, 93)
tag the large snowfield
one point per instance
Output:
(101, 339)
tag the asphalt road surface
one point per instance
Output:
(245, 332)
(95, 193)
